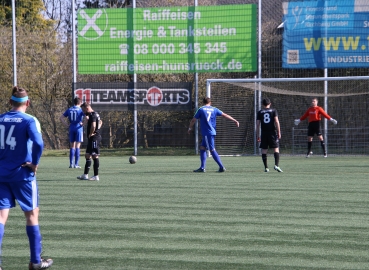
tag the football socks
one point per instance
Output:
(76, 155)
(203, 158)
(276, 158)
(34, 237)
(87, 166)
(96, 166)
(1, 237)
(309, 147)
(265, 160)
(72, 152)
(322, 144)
(216, 158)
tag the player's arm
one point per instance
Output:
(62, 119)
(326, 115)
(303, 117)
(34, 133)
(322, 112)
(100, 124)
(85, 120)
(231, 118)
(92, 129)
(190, 128)
(277, 126)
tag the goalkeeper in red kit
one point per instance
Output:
(314, 116)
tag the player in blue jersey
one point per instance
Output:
(94, 138)
(207, 115)
(21, 147)
(267, 122)
(75, 116)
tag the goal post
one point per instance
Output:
(345, 99)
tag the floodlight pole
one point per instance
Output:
(326, 109)
(14, 45)
(326, 91)
(260, 75)
(135, 106)
(256, 104)
(196, 130)
(74, 47)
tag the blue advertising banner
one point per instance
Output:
(326, 34)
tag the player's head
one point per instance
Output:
(86, 108)
(314, 102)
(19, 97)
(266, 102)
(77, 101)
(206, 100)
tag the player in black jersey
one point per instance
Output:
(94, 138)
(267, 122)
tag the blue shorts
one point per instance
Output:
(25, 192)
(208, 142)
(76, 134)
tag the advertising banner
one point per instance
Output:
(143, 96)
(326, 34)
(167, 40)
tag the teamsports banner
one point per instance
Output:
(167, 40)
(124, 96)
(326, 34)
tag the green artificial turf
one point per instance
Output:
(158, 214)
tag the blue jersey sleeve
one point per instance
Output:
(66, 113)
(197, 114)
(34, 133)
(218, 112)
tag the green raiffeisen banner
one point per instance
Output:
(167, 40)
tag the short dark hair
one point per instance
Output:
(266, 101)
(18, 92)
(77, 101)
(206, 100)
(85, 105)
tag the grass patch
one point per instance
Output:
(158, 214)
(116, 152)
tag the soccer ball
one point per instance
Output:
(132, 159)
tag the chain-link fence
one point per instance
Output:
(347, 103)
(44, 65)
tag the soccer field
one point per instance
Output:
(158, 214)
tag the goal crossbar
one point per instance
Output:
(250, 83)
(352, 78)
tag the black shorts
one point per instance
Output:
(93, 145)
(314, 128)
(269, 140)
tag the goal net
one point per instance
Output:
(344, 100)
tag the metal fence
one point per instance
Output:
(342, 141)
(45, 68)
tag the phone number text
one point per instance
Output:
(170, 48)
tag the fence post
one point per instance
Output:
(346, 140)
(293, 141)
